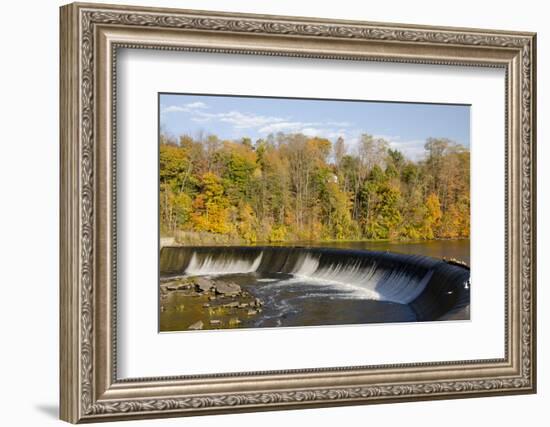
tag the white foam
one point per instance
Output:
(351, 278)
(217, 265)
(306, 265)
(360, 282)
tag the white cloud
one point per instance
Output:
(327, 130)
(185, 108)
(237, 119)
(413, 149)
(197, 104)
(389, 138)
(312, 131)
(200, 119)
(284, 127)
(264, 125)
(340, 124)
(244, 120)
(260, 123)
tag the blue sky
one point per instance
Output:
(406, 126)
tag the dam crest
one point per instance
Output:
(433, 288)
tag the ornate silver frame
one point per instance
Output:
(90, 36)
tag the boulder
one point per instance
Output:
(215, 322)
(203, 284)
(196, 326)
(228, 288)
(170, 283)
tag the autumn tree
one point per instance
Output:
(293, 187)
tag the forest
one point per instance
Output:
(296, 188)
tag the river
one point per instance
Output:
(453, 248)
(315, 284)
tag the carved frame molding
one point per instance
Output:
(90, 37)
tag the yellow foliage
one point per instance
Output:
(278, 234)
(287, 188)
(247, 223)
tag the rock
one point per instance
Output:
(234, 321)
(173, 285)
(228, 288)
(233, 304)
(243, 305)
(162, 308)
(251, 312)
(257, 302)
(196, 326)
(215, 322)
(184, 287)
(212, 297)
(203, 284)
(206, 305)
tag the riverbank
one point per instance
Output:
(195, 238)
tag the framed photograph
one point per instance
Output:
(266, 212)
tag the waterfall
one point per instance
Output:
(306, 265)
(212, 265)
(367, 281)
(429, 285)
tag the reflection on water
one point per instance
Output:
(458, 249)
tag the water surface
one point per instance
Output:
(453, 248)
(308, 285)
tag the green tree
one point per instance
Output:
(290, 187)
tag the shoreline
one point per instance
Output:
(305, 243)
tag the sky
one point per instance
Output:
(406, 126)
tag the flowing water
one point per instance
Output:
(349, 283)
(453, 248)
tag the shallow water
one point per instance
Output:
(288, 301)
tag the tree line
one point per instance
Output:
(291, 187)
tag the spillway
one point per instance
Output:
(432, 288)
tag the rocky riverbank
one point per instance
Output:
(205, 303)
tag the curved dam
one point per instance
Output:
(409, 287)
